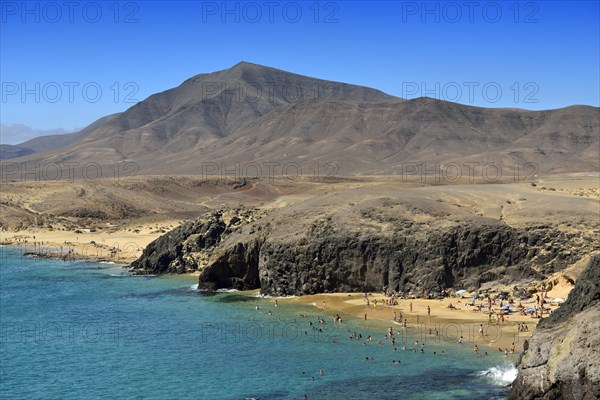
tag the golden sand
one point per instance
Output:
(120, 246)
(449, 323)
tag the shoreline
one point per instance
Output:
(450, 324)
(30, 251)
(121, 248)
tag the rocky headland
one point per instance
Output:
(415, 246)
(563, 360)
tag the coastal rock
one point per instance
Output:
(169, 252)
(190, 246)
(234, 269)
(563, 360)
(299, 252)
(462, 256)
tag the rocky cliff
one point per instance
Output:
(189, 246)
(364, 249)
(563, 360)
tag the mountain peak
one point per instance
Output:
(253, 113)
(246, 64)
(244, 68)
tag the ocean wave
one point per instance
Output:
(501, 375)
(194, 287)
(268, 296)
(225, 290)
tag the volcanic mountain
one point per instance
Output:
(256, 115)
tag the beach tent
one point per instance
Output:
(461, 291)
(559, 300)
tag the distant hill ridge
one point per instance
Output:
(252, 114)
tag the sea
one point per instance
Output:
(88, 330)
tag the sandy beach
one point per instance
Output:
(118, 246)
(449, 323)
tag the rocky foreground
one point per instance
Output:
(563, 359)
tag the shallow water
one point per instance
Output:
(87, 330)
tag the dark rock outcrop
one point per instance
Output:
(330, 259)
(563, 358)
(305, 254)
(234, 269)
(190, 247)
(168, 252)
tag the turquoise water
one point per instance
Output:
(82, 330)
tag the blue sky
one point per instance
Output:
(65, 67)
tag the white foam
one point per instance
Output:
(268, 296)
(226, 290)
(194, 287)
(501, 375)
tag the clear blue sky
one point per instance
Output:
(541, 55)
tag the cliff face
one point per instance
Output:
(190, 246)
(563, 359)
(302, 254)
(336, 260)
(170, 252)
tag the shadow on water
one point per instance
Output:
(180, 291)
(436, 383)
(233, 298)
(191, 291)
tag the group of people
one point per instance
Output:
(398, 317)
